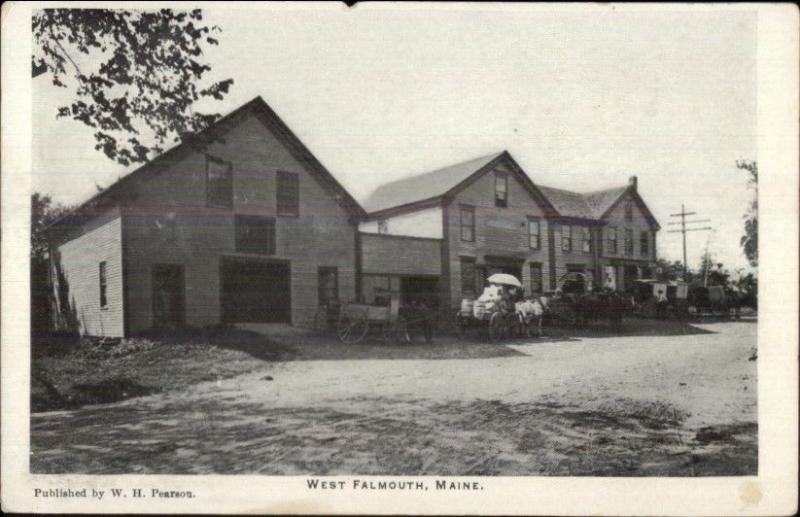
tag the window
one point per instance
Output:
(534, 233)
(501, 189)
(644, 243)
(536, 277)
(328, 278)
(103, 285)
(628, 241)
(467, 224)
(288, 192)
(586, 245)
(566, 238)
(612, 240)
(467, 275)
(255, 234)
(629, 210)
(219, 183)
(383, 226)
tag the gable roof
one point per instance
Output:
(437, 185)
(567, 203)
(593, 206)
(601, 201)
(268, 117)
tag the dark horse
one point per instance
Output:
(596, 306)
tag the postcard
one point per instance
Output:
(400, 258)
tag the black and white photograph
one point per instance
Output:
(400, 249)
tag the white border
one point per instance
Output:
(778, 331)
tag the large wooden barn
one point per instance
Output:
(239, 224)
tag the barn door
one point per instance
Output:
(168, 299)
(255, 291)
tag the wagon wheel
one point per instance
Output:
(353, 326)
(497, 326)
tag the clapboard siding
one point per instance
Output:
(390, 255)
(322, 235)
(499, 232)
(639, 223)
(76, 276)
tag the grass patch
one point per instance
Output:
(96, 371)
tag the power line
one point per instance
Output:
(683, 222)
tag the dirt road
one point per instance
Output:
(624, 406)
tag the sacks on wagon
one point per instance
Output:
(480, 308)
(490, 294)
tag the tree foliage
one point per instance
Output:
(43, 212)
(666, 270)
(138, 74)
(749, 240)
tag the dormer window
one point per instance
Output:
(501, 189)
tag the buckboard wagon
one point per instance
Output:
(393, 323)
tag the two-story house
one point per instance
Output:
(239, 224)
(609, 235)
(627, 249)
(451, 228)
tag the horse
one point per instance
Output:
(595, 306)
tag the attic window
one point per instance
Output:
(629, 210)
(501, 189)
(219, 182)
(288, 192)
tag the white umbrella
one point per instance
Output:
(505, 279)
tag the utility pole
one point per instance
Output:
(683, 222)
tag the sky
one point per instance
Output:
(581, 100)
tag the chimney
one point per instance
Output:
(633, 181)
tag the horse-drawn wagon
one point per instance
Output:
(498, 312)
(575, 302)
(653, 298)
(392, 323)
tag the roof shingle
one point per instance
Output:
(567, 203)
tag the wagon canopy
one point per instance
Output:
(504, 279)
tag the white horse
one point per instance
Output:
(531, 310)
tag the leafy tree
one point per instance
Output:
(666, 270)
(749, 240)
(43, 212)
(137, 74)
